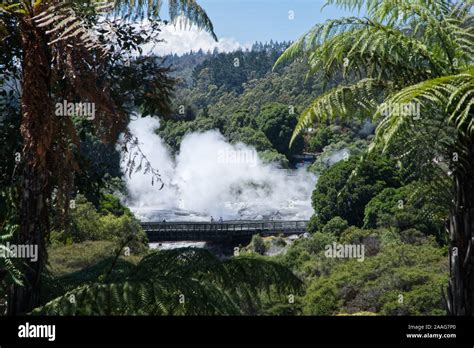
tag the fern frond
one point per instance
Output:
(10, 265)
(453, 94)
(184, 281)
(190, 10)
(342, 101)
(66, 25)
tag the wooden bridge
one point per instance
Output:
(219, 231)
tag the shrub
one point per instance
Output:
(122, 228)
(321, 138)
(85, 222)
(415, 271)
(336, 226)
(407, 207)
(257, 244)
(313, 224)
(115, 223)
(303, 251)
(111, 204)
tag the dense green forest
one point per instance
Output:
(248, 101)
(396, 183)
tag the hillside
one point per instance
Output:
(241, 95)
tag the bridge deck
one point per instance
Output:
(217, 231)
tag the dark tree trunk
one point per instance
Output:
(461, 284)
(37, 130)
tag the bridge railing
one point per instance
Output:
(263, 226)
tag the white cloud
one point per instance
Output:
(181, 39)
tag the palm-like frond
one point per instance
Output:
(189, 9)
(386, 48)
(453, 94)
(342, 101)
(382, 9)
(180, 282)
(64, 24)
(399, 43)
(360, 44)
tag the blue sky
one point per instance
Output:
(240, 23)
(262, 20)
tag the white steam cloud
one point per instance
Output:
(337, 156)
(367, 128)
(180, 38)
(210, 177)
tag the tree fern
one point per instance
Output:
(422, 52)
(400, 52)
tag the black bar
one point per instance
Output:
(234, 330)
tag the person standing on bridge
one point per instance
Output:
(220, 220)
(212, 218)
